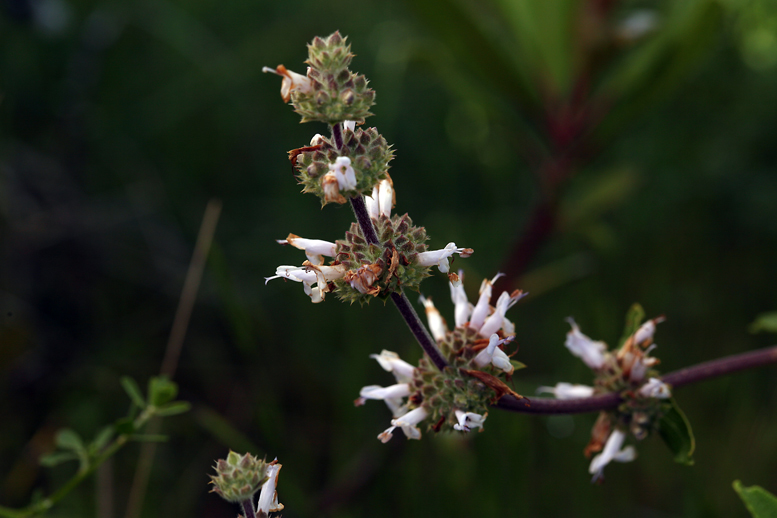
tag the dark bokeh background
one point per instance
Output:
(644, 167)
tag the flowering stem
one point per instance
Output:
(400, 299)
(248, 508)
(686, 376)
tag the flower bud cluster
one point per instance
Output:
(238, 478)
(336, 93)
(456, 398)
(368, 156)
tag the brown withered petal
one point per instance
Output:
(492, 382)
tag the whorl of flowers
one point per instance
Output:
(458, 397)
(629, 371)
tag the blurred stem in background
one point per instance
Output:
(573, 74)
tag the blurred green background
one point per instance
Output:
(601, 152)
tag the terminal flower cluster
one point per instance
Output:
(629, 371)
(458, 397)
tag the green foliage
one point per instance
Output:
(765, 322)
(760, 503)
(634, 318)
(675, 430)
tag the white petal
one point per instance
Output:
(564, 390)
(656, 388)
(268, 495)
(459, 297)
(591, 352)
(385, 197)
(411, 418)
(391, 362)
(440, 257)
(436, 323)
(351, 125)
(399, 390)
(480, 312)
(468, 420)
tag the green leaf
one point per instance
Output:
(161, 390)
(676, 432)
(634, 319)
(67, 439)
(101, 440)
(760, 502)
(765, 322)
(133, 391)
(517, 365)
(178, 407)
(53, 459)
(125, 426)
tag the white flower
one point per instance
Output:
(494, 355)
(268, 496)
(591, 352)
(397, 391)
(408, 424)
(291, 81)
(317, 139)
(314, 248)
(496, 320)
(346, 177)
(310, 275)
(382, 200)
(655, 388)
(568, 391)
(612, 452)
(481, 309)
(459, 297)
(440, 257)
(349, 125)
(469, 420)
(391, 362)
(437, 324)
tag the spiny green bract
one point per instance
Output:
(397, 234)
(336, 93)
(369, 152)
(442, 393)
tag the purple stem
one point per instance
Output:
(248, 508)
(400, 300)
(686, 376)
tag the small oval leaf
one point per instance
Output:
(133, 391)
(178, 407)
(760, 502)
(676, 432)
(67, 439)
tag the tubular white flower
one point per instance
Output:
(459, 297)
(399, 390)
(440, 257)
(408, 424)
(655, 388)
(480, 311)
(349, 125)
(317, 139)
(291, 81)
(494, 355)
(436, 322)
(314, 249)
(612, 452)
(268, 496)
(391, 362)
(308, 275)
(644, 334)
(564, 390)
(495, 321)
(381, 201)
(591, 352)
(346, 177)
(469, 420)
